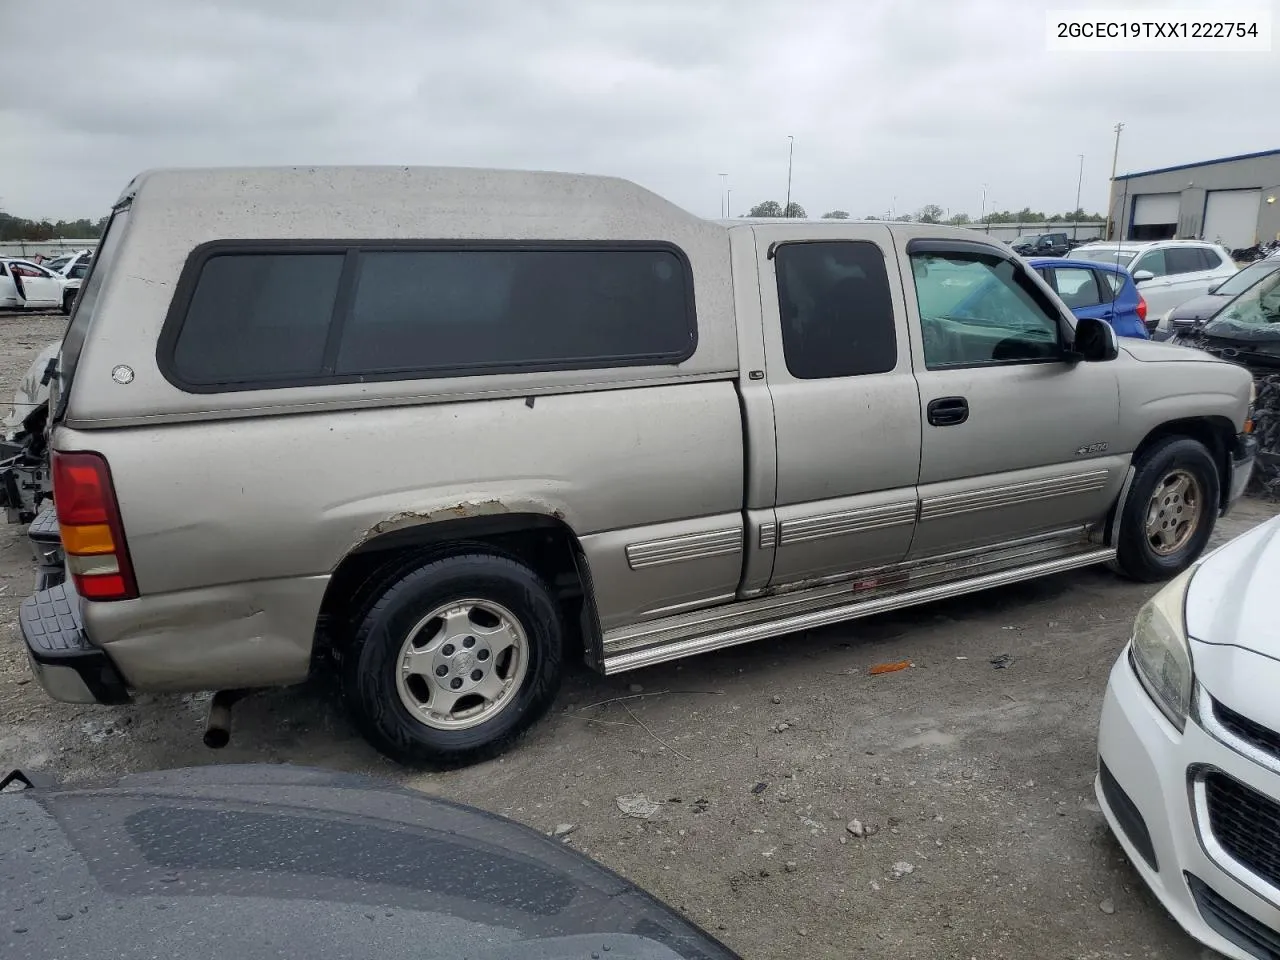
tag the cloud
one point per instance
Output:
(901, 102)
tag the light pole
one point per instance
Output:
(1075, 216)
(983, 210)
(727, 194)
(1114, 157)
(786, 211)
(724, 195)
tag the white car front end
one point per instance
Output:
(1189, 747)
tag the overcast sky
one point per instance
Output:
(919, 100)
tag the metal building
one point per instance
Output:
(1232, 200)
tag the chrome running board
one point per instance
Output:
(684, 635)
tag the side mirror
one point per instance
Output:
(1095, 341)
(1143, 275)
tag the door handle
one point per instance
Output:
(948, 411)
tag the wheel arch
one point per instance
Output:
(1216, 433)
(544, 542)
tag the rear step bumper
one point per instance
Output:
(68, 666)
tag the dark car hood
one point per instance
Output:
(246, 862)
(1197, 309)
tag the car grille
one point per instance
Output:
(1233, 923)
(1246, 824)
(1255, 734)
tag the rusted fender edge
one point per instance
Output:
(461, 510)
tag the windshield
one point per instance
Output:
(1247, 277)
(1120, 257)
(1254, 315)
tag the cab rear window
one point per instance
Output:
(251, 316)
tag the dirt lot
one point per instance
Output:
(978, 776)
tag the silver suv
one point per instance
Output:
(1168, 272)
(437, 430)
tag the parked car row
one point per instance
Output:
(1168, 272)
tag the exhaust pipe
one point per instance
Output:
(217, 729)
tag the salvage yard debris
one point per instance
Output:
(880, 668)
(638, 805)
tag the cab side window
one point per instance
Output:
(978, 309)
(1184, 260)
(836, 309)
(1153, 261)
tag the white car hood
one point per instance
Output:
(1234, 597)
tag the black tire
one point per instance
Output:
(68, 301)
(370, 658)
(1136, 557)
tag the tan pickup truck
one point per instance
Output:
(438, 429)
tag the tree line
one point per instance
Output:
(932, 213)
(19, 228)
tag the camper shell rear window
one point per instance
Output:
(253, 315)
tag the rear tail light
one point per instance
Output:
(92, 534)
(1142, 309)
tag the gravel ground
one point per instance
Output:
(976, 776)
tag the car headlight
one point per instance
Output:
(1160, 651)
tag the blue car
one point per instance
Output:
(1100, 290)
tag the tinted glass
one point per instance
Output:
(1184, 260)
(1077, 287)
(78, 271)
(836, 309)
(1212, 259)
(455, 310)
(258, 317)
(1152, 260)
(976, 309)
(255, 318)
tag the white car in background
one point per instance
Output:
(70, 265)
(1189, 747)
(1168, 272)
(28, 286)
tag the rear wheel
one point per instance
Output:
(68, 301)
(1170, 512)
(453, 660)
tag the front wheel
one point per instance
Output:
(68, 301)
(453, 660)
(1170, 512)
